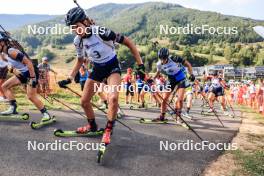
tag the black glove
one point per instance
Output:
(141, 71)
(192, 78)
(63, 83)
(32, 82)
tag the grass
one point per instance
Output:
(62, 95)
(253, 163)
(252, 112)
(250, 159)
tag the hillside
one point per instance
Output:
(141, 22)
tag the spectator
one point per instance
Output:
(44, 78)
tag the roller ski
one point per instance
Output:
(12, 114)
(182, 124)
(106, 140)
(17, 116)
(154, 121)
(142, 106)
(187, 115)
(74, 133)
(46, 120)
(179, 121)
(226, 113)
(210, 112)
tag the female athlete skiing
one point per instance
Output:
(217, 90)
(23, 68)
(98, 43)
(173, 68)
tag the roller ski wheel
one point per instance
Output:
(131, 107)
(23, 117)
(62, 133)
(35, 125)
(100, 154)
(149, 121)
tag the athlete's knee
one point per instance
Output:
(85, 103)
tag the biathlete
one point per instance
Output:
(24, 74)
(173, 68)
(216, 91)
(98, 43)
(189, 100)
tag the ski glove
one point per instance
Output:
(141, 71)
(32, 82)
(192, 77)
(63, 83)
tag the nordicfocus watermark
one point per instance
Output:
(123, 88)
(190, 145)
(58, 145)
(198, 30)
(59, 29)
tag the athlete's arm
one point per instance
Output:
(17, 55)
(189, 66)
(108, 35)
(128, 42)
(223, 83)
(76, 68)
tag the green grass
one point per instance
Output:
(252, 163)
(68, 98)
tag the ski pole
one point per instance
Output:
(215, 113)
(57, 100)
(160, 97)
(181, 118)
(76, 93)
(94, 105)
(233, 111)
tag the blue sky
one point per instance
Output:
(245, 8)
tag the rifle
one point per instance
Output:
(15, 42)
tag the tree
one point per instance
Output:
(246, 56)
(187, 54)
(174, 46)
(228, 53)
(45, 53)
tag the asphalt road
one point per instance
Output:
(134, 153)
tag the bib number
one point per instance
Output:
(96, 54)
